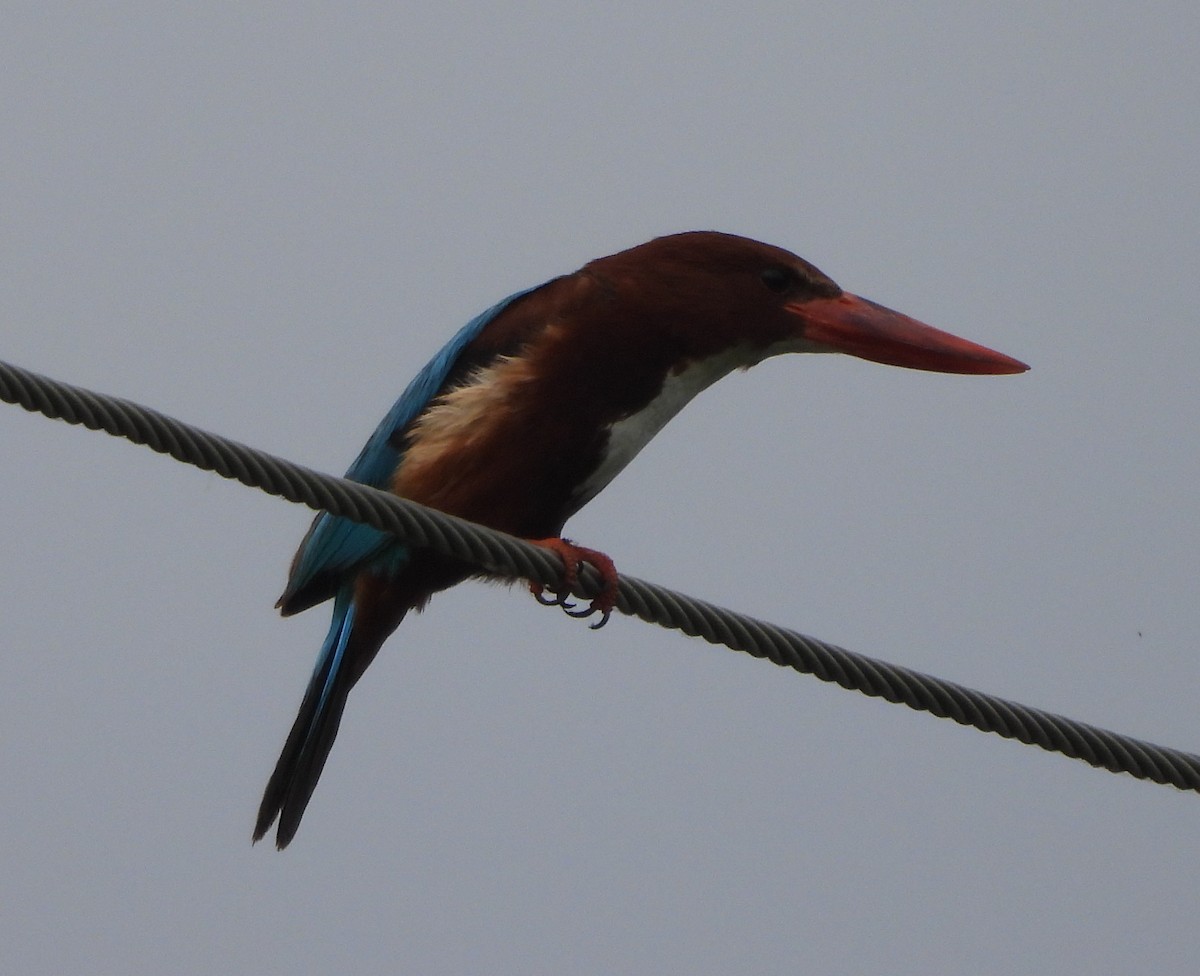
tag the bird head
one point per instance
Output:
(718, 291)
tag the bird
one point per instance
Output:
(533, 407)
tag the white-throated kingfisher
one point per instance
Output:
(536, 405)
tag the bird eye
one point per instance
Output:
(777, 278)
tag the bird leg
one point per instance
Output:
(573, 557)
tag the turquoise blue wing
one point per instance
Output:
(336, 546)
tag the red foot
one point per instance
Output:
(573, 557)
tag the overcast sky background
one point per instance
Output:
(264, 218)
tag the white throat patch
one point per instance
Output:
(630, 434)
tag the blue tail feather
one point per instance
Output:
(313, 733)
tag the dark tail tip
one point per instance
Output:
(300, 764)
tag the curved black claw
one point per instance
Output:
(587, 612)
(559, 599)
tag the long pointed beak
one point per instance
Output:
(861, 328)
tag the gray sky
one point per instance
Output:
(264, 218)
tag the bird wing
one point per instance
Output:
(336, 546)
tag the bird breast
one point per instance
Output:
(629, 434)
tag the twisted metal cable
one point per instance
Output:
(509, 556)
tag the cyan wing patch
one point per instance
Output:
(334, 545)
